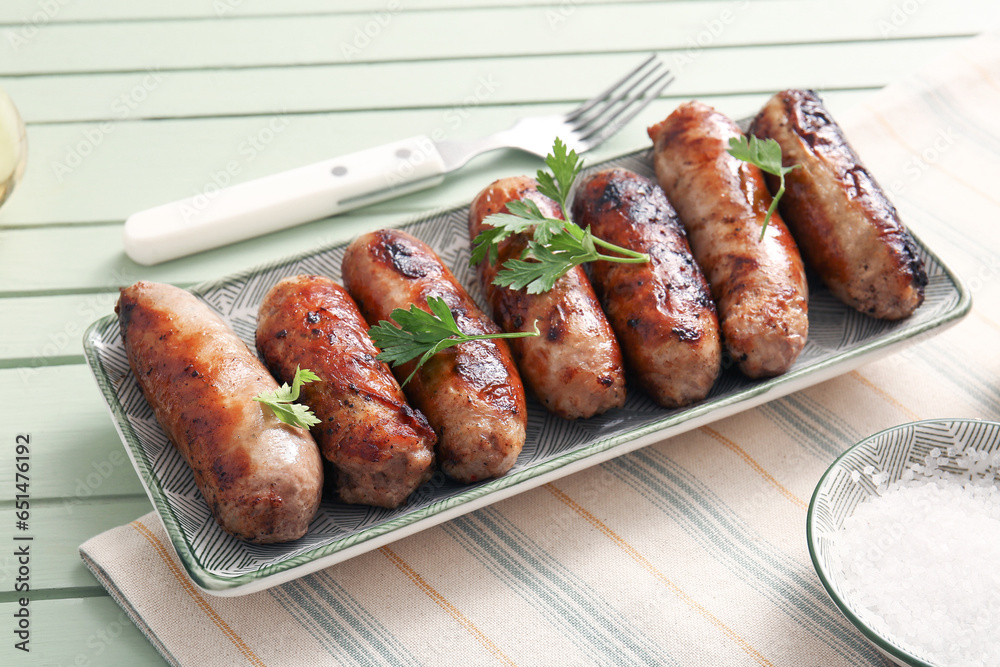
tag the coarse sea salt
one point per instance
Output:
(921, 561)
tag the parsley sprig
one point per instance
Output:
(556, 246)
(765, 155)
(282, 400)
(417, 333)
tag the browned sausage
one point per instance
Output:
(261, 478)
(574, 367)
(759, 285)
(846, 228)
(471, 393)
(661, 310)
(380, 448)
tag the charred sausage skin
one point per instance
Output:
(846, 228)
(759, 285)
(574, 367)
(471, 393)
(380, 448)
(262, 478)
(661, 310)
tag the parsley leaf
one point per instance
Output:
(524, 214)
(766, 156)
(565, 168)
(556, 246)
(282, 400)
(417, 333)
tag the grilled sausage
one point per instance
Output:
(471, 393)
(262, 478)
(380, 448)
(846, 228)
(661, 310)
(574, 367)
(759, 285)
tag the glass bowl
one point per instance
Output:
(958, 449)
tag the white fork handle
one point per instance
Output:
(224, 215)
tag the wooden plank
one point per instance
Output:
(323, 39)
(88, 631)
(48, 330)
(130, 165)
(75, 452)
(90, 258)
(38, 13)
(58, 530)
(98, 263)
(456, 84)
(103, 173)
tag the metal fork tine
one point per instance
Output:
(631, 109)
(582, 128)
(586, 106)
(605, 126)
(624, 99)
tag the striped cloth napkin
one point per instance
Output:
(691, 551)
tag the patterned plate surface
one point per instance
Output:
(889, 452)
(840, 339)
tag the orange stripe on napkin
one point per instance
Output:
(649, 567)
(433, 594)
(984, 73)
(883, 393)
(988, 321)
(189, 588)
(739, 451)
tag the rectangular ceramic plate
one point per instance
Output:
(840, 339)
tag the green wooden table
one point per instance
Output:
(132, 104)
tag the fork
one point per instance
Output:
(222, 215)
